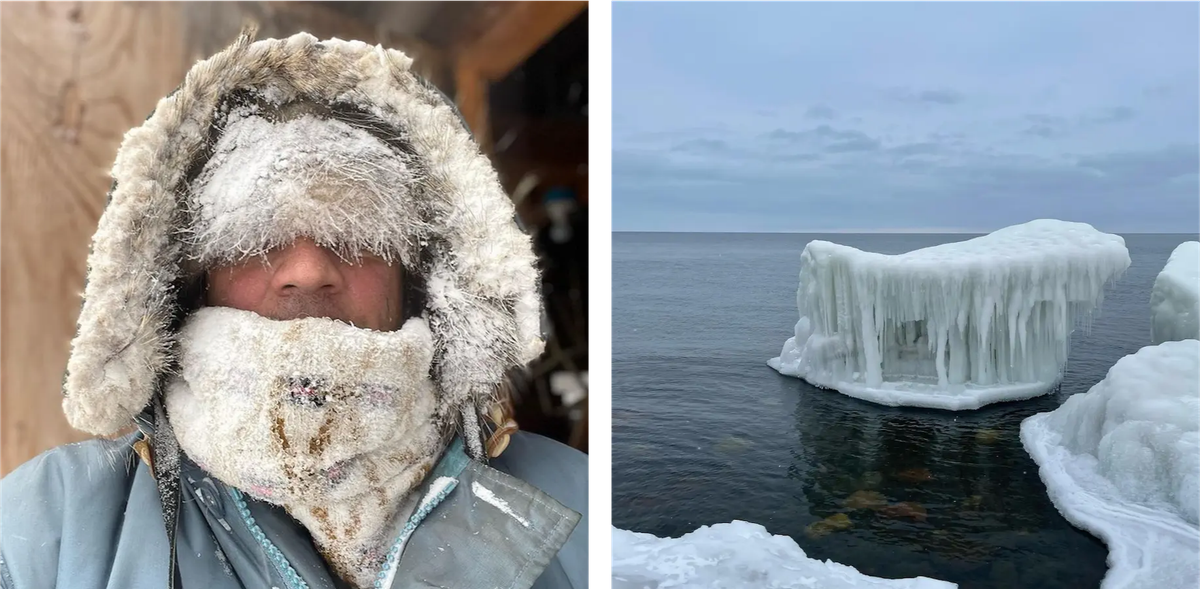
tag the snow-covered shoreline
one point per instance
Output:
(733, 555)
(1122, 462)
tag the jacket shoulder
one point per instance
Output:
(556, 468)
(36, 490)
(561, 472)
(48, 503)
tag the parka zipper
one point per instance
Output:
(386, 575)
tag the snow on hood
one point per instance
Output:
(438, 206)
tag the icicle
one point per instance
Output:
(994, 312)
(943, 379)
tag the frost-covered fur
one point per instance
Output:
(479, 269)
(335, 423)
(269, 182)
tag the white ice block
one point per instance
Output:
(1175, 299)
(954, 326)
(1122, 461)
(736, 554)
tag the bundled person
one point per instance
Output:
(302, 299)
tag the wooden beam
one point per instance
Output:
(211, 26)
(471, 96)
(519, 31)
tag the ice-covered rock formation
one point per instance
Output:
(736, 554)
(1175, 300)
(954, 326)
(1122, 461)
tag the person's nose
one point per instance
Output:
(306, 268)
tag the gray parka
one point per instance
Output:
(88, 516)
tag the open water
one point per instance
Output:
(705, 432)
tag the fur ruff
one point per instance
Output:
(480, 273)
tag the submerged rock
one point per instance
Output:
(865, 500)
(833, 523)
(871, 479)
(987, 436)
(904, 510)
(732, 445)
(915, 475)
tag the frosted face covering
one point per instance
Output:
(271, 179)
(337, 424)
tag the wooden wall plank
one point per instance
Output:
(76, 77)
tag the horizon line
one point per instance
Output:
(898, 231)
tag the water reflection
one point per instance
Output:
(947, 495)
(704, 432)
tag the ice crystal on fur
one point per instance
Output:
(268, 183)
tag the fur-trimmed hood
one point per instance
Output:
(451, 224)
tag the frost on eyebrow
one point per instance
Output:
(269, 182)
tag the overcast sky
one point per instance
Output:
(905, 117)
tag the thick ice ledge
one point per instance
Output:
(954, 326)
(1175, 300)
(736, 554)
(1122, 461)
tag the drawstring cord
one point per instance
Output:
(159, 449)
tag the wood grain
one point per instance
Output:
(76, 76)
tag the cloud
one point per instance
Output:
(862, 143)
(781, 135)
(1044, 131)
(944, 132)
(702, 147)
(669, 135)
(957, 189)
(828, 139)
(1046, 126)
(952, 138)
(1158, 91)
(1054, 126)
(796, 157)
(820, 111)
(943, 97)
(1146, 167)
(924, 148)
(1118, 114)
(843, 141)
(649, 168)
